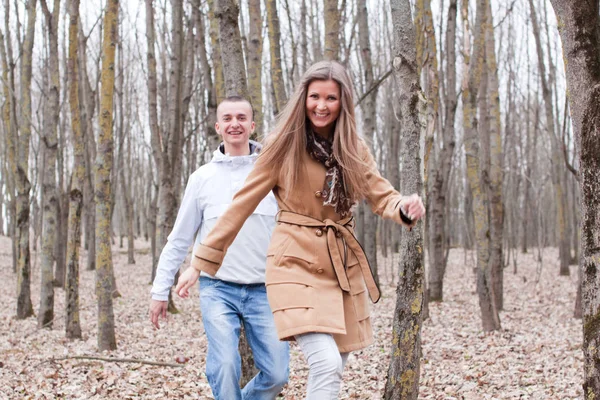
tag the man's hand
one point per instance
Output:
(157, 309)
(412, 206)
(186, 280)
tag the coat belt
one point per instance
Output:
(335, 229)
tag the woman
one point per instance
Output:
(318, 277)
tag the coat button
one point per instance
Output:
(320, 271)
(318, 193)
(319, 232)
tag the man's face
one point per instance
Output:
(234, 123)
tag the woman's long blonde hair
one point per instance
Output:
(286, 144)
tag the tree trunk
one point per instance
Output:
(103, 189)
(154, 127)
(489, 314)
(72, 325)
(24, 306)
(332, 30)
(254, 61)
(496, 164)
(9, 116)
(404, 369)
(275, 56)
(369, 107)
(46, 312)
(579, 24)
(233, 66)
(557, 159)
(87, 106)
(212, 137)
(227, 13)
(216, 55)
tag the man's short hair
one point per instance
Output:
(238, 99)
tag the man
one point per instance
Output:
(236, 294)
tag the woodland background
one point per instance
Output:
(108, 107)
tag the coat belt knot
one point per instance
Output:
(338, 229)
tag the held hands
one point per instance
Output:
(157, 309)
(412, 207)
(186, 281)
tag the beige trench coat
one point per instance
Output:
(316, 271)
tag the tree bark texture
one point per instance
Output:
(212, 137)
(275, 56)
(369, 107)
(579, 27)
(440, 175)
(103, 188)
(234, 71)
(332, 30)
(403, 373)
(254, 57)
(50, 140)
(24, 306)
(557, 158)
(216, 53)
(72, 325)
(474, 66)
(496, 163)
(11, 126)
(10, 149)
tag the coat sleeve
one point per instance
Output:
(209, 255)
(381, 196)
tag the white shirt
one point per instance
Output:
(208, 193)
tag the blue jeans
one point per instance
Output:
(224, 306)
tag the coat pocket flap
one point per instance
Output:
(289, 295)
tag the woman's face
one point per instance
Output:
(323, 104)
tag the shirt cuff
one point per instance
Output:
(207, 259)
(160, 297)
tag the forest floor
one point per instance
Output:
(536, 355)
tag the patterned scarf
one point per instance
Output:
(334, 191)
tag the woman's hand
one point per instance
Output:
(412, 207)
(186, 281)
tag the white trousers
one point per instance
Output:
(325, 364)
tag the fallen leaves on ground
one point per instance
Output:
(536, 355)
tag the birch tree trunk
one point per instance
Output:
(50, 215)
(24, 306)
(579, 27)
(403, 373)
(72, 323)
(103, 188)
